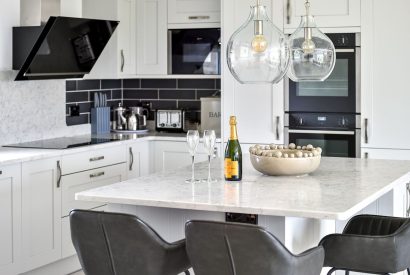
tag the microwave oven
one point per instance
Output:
(194, 51)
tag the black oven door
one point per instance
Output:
(195, 51)
(335, 94)
(333, 144)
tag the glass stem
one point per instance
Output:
(209, 167)
(193, 168)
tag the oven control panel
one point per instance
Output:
(323, 121)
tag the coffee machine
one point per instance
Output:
(130, 119)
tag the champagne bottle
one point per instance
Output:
(233, 155)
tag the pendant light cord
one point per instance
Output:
(307, 5)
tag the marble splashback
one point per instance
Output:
(33, 110)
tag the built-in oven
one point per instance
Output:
(337, 134)
(194, 51)
(340, 93)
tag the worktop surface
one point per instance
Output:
(340, 188)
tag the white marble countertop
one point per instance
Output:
(340, 188)
(10, 156)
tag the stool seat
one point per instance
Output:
(370, 244)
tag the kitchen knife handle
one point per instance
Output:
(277, 127)
(366, 133)
(59, 173)
(122, 60)
(131, 159)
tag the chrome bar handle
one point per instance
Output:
(96, 158)
(96, 175)
(1, 172)
(288, 12)
(366, 133)
(131, 159)
(277, 127)
(59, 174)
(199, 17)
(366, 155)
(122, 60)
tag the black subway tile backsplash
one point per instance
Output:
(161, 93)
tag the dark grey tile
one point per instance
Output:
(88, 85)
(217, 84)
(164, 104)
(193, 116)
(77, 120)
(111, 84)
(196, 83)
(76, 96)
(189, 104)
(84, 107)
(132, 83)
(105, 92)
(140, 94)
(113, 103)
(131, 102)
(177, 94)
(205, 93)
(116, 94)
(158, 83)
(71, 85)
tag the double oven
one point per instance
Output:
(327, 114)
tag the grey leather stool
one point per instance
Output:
(219, 248)
(121, 244)
(370, 244)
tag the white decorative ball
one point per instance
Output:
(299, 154)
(298, 147)
(292, 156)
(292, 146)
(285, 156)
(309, 147)
(278, 154)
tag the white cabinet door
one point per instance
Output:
(138, 162)
(152, 37)
(172, 154)
(259, 108)
(127, 36)
(328, 13)
(385, 85)
(194, 11)
(10, 216)
(41, 213)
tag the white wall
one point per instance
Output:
(29, 110)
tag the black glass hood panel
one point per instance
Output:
(65, 47)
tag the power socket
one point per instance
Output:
(75, 110)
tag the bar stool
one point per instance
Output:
(219, 248)
(111, 244)
(370, 244)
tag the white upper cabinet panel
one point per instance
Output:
(127, 36)
(194, 11)
(328, 13)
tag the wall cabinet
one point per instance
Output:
(194, 11)
(138, 161)
(152, 44)
(41, 209)
(328, 13)
(259, 108)
(10, 215)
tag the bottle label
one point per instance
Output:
(231, 168)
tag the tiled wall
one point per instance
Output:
(161, 93)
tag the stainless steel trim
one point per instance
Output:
(131, 159)
(97, 158)
(358, 121)
(277, 127)
(169, 52)
(345, 50)
(59, 174)
(96, 175)
(122, 60)
(358, 80)
(286, 137)
(199, 17)
(366, 134)
(358, 39)
(286, 120)
(358, 143)
(286, 88)
(346, 133)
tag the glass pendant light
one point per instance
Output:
(312, 53)
(258, 51)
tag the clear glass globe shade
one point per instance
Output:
(258, 54)
(312, 53)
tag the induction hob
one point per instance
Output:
(63, 142)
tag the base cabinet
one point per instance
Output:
(10, 216)
(41, 209)
(138, 161)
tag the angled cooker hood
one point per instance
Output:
(65, 47)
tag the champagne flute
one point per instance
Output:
(192, 138)
(209, 144)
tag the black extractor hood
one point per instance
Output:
(65, 47)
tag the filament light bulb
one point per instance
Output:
(308, 46)
(259, 43)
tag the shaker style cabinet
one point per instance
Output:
(328, 13)
(138, 161)
(10, 216)
(259, 108)
(194, 11)
(385, 94)
(41, 213)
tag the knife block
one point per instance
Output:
(100, 120)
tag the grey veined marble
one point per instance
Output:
(340, 188)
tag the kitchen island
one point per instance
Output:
(298, 210)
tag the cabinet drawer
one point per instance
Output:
(66, 242)
(194, 11)
(78, 182)
(92, 159)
